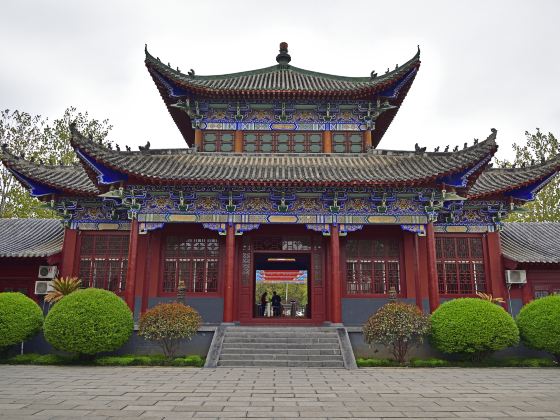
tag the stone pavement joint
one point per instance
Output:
(49, 392)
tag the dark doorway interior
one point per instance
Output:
(287, 274)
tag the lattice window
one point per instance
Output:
(103, 261)
(193, 260)
(372, 266)
(460, 265)
(217, 141)
(347, 142)
(273, 142)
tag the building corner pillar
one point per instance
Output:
(336, 284)
(417, 285)
(433, 293)
(69, 248)
(198, 139)
(327, 141)
(496, 265)
(526, 293)
(131, 269)
(238, 141)
(230, 272)
(368, 141)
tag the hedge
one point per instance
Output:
(539, 325)
(89, 321)
(472, 328)
(20, 318)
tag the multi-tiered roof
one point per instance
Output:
(100, 168)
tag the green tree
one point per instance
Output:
(38, 139)
(538, 147)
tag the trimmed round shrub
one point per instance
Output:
(472, 328)
(539, 325)
(398, 326)
(20, 318)
(89, 321)
(168, 324)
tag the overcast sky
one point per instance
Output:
(484, 63)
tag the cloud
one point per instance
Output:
(484, 64)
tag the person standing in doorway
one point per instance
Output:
(276, 304)
(264, 301)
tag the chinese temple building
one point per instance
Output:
(283, 182)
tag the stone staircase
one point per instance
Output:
(282, 347)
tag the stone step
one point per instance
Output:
(283, 333)
(242, 350)
(281, 347)
(228, 339)
(282, 329)
(280, 363)
(292, 357)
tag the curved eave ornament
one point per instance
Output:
(105, 175)
(36, 189)
(529, 192)
(461, 179)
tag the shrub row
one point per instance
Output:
(90, 321)
(127, 360)
(434, 362)
(468, 328)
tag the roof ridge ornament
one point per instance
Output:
(283, 58)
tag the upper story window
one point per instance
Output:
(103, 260)
(347, 142)
(460, 265)
(217, 141)
(193, 260)
(273, 142)
(373, 266)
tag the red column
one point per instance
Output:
(526, 294)
(495, 265)
(230, 264)
(417, 286)
(69, 247)
(433, 293)
(129, 293)
(336, 304)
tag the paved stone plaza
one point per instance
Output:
(174, 393)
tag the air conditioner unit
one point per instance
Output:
(47, 271)
(516, 277)
(42, 287)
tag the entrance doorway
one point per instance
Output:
(281, 286)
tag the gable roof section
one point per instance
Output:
(30, 237)
(281, 81)
(531, 242)
(495, 181)
(377, 168)
(46, 179)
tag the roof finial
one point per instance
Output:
(283, 57)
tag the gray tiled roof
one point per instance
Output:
(282, 78)
(494, 181)
(71, 179)
(375, 168)
(531, 242)
(30, 237)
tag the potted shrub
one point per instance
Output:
(398, 326)
(168, 324)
